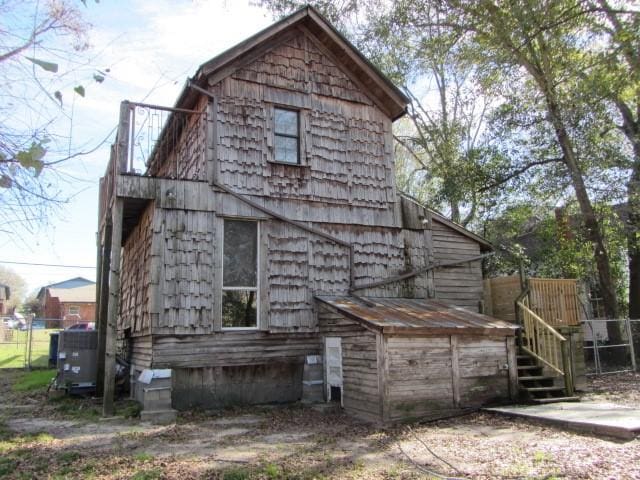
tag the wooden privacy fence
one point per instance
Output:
(553, 300)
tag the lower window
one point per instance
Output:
(239, 309)
(240, 274)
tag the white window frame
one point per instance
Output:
(74, 307)
(298, 137)
(251, 289)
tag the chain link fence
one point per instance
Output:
(27, 344)
(611, 345)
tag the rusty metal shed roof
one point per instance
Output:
(417, 316)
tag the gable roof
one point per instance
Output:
(83, 294)
(71, 283)
(389, 98)
(485, 245)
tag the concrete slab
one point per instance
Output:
(598, 418)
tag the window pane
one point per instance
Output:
(239, 309)
(286, 122)
(240, 254)
(286, 149)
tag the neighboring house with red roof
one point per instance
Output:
(72, 300)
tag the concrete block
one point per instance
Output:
(157, 398)
(312, 392)
(160, 417)
(312, 372)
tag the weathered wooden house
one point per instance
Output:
(263, 254)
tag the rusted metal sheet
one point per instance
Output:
(417, 316)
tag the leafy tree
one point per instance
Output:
(41, 43)
(542, 39)
(553, 243)
(616, 76)
(31, 304)
(536, 58)
(16, 283)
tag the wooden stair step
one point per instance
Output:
(528, 367)
(544, 389)
(555, 399)
(535, 377)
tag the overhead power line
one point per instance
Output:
(45, 264)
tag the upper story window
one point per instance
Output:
(240, 275)
(74, 310)
(287, 136)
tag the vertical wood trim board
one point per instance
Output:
(455, 370)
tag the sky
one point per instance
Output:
(150, 48)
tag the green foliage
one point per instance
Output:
(7, 465)
(16, 284)
(143, 457)
(129, 409)
(271, 471)
(47, 66)
(67, 458)
(237, 473)
(151, 474)
(553, 244)
(32, 157)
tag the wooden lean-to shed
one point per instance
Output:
(267, 189)
(403, 359)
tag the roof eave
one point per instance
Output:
(485, 245)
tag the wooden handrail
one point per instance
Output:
(541, 340)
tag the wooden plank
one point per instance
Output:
(513, 368)
(102, 308)
(383, 371)
(455, 371)
(112, 316)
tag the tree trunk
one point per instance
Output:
(455, 212)
(594, 234)
(633, 231)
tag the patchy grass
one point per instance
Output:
(150, 474)
(34, 380)
(69, 457)
(143, 457)
(75, 408)
(128, 409)
(18, 449)
(236, 473)
(67, 441)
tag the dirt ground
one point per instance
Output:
(43, 438)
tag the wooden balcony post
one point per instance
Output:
(123, 137)
(112, 316)
(566, 366)
(102, 293)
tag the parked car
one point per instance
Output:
(9, 322)
(82, 326)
